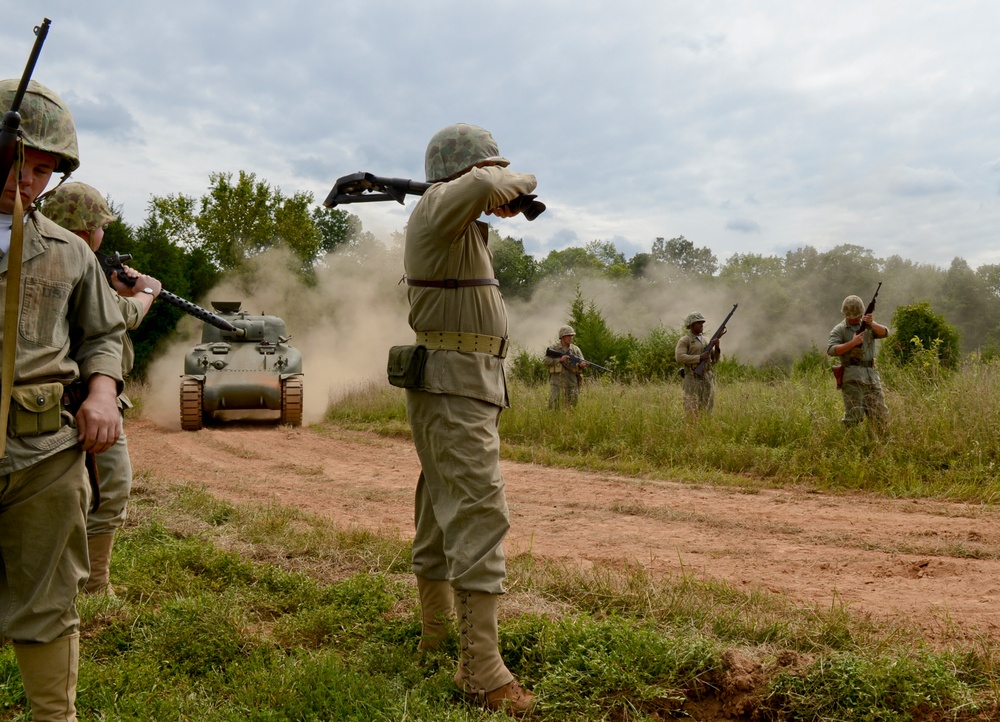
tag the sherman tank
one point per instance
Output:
(243, 362)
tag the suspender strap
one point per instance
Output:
(457, 341)
(453, 282)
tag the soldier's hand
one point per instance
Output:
(503, 211)
(99, 420)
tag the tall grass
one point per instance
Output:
(767, 428)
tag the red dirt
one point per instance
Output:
(933, 563)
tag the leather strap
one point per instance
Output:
(458, 341)
(12, 303)
(453, 282)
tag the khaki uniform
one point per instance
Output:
(564, 379)
(861, 386)
(114, 466)
(699, 393)
(461, 511)
(69, 329)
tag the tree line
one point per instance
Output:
(189, 243)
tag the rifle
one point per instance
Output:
(573, 358)
(870, 308)
(113, 264)
(10, 128)
(368, 188)
(699, 370)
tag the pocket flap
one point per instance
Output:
(37, 397)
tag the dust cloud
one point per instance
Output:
(343, 326)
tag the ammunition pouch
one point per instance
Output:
(838, 374)
(35, 409)
(406, 366)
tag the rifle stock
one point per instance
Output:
(11, 124)
(369, 188)
(699, 370)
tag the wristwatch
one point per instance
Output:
(148, 290)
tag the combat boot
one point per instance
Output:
(437, 608)
(48, 673)
(99, 550)
(482, 675)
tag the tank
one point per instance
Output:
(243, 362)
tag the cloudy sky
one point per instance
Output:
(746, 127)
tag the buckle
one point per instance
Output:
(450, 283)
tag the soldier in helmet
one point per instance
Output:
(457, 312)
(565, 377)
(691, 350)
(861, 385)
(69, 334)
(81, 208)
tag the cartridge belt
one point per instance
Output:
(859, 362)
(453, 282)
(460, 341)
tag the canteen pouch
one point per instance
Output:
(406, 366)
(35, 409)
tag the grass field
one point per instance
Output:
(255, 612)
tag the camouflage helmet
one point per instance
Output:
(692, 318)
(566, 331)
(46, 123)
(853, 307)
(457, 148)
(77, 207)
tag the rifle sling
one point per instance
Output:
(12, 301)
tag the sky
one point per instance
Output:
(745, 127)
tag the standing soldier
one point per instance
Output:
(80, 208)
(699, 391)
(457, 312)
(861, 386)
(565, 375)
(67, 335)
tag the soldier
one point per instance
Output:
(699, 391)
(861, 385)
(565, 377)
(457, 312)
(69, 333)
(80, 208)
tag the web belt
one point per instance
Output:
(459, 341)
(453, 282)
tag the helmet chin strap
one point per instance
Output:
(12, 302)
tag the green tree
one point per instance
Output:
(570, 263)
(748, 268)
(683, 254)
(918, 329)
(336, 227)
(239, 219)
(516, 270)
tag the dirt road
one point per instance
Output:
(935, 563)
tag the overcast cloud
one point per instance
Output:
(746, 127)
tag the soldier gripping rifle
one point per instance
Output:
(368, 188)
(115, 264)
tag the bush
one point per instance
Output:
(918, 330)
